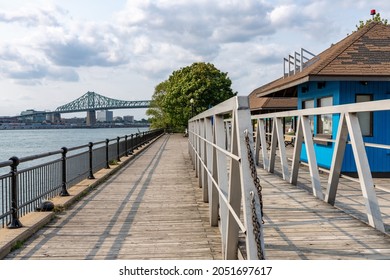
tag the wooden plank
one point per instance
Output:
(155, 213)
(299, 226)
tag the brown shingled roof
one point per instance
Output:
(363, 54)
(263, 103)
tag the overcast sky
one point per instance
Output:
(52, 51)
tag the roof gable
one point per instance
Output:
(364, 53)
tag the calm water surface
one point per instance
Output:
(23, 143)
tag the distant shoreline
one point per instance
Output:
(40, 126)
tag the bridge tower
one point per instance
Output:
(91, 118)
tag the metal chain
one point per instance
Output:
(256, 181)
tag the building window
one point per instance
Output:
(324, 122)
(307, 104)
(365, 118)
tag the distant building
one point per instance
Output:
(34, 116)
(5, 119)
(104, 116)
(118, 119)
(129, 119)
(74, 120)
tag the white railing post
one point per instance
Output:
(297, 152)
(282, 148)
(208, 159)
(197, 168)
(363, 168)
(311, 157)
(337, 160)
(244, 125)
(220, 139)
(213, 193)
(234, 194)
(233, 185)
(201, 154)
(261, 140)
(272, 150)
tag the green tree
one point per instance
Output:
(201, 82)
(376, 18)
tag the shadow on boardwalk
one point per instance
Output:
(150, 209)
(300, 226)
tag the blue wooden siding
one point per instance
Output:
(379, 159)
(323, 152)
(344, 93)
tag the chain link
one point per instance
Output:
(256, 181)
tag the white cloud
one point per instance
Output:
(31, 17)
(151, 38)
(30, 69)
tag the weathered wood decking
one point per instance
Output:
(148, 210)
(153, 209)
(299, 226)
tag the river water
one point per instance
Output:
(23, 143)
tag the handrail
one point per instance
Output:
(370, 106)
(222, 195)
(222, 150)
(22, 189)
(39, 156)
(221, 162)
(348, 132)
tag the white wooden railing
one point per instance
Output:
(220, 156)
(348, 126)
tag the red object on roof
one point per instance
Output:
(373, 12)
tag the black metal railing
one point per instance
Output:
(23, 189)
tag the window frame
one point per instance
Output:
(371, 97)
(319, 121)
(311, 118)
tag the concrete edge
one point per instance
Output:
(32, 222)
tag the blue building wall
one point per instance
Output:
(379, 159)
(323, 152)
(344, 93)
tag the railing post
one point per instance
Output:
(90, 176)
(64, 191)
(14, 223)
(131, 144)
(118, 157)
(107, 160)
(126, 147)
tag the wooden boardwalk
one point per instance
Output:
(148, 210)
(153, 209)
(299, 226)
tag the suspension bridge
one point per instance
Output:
(91, 102)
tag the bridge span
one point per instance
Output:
(90, 102)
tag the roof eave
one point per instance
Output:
(367, 78)
(285, 86)
(328, 78)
